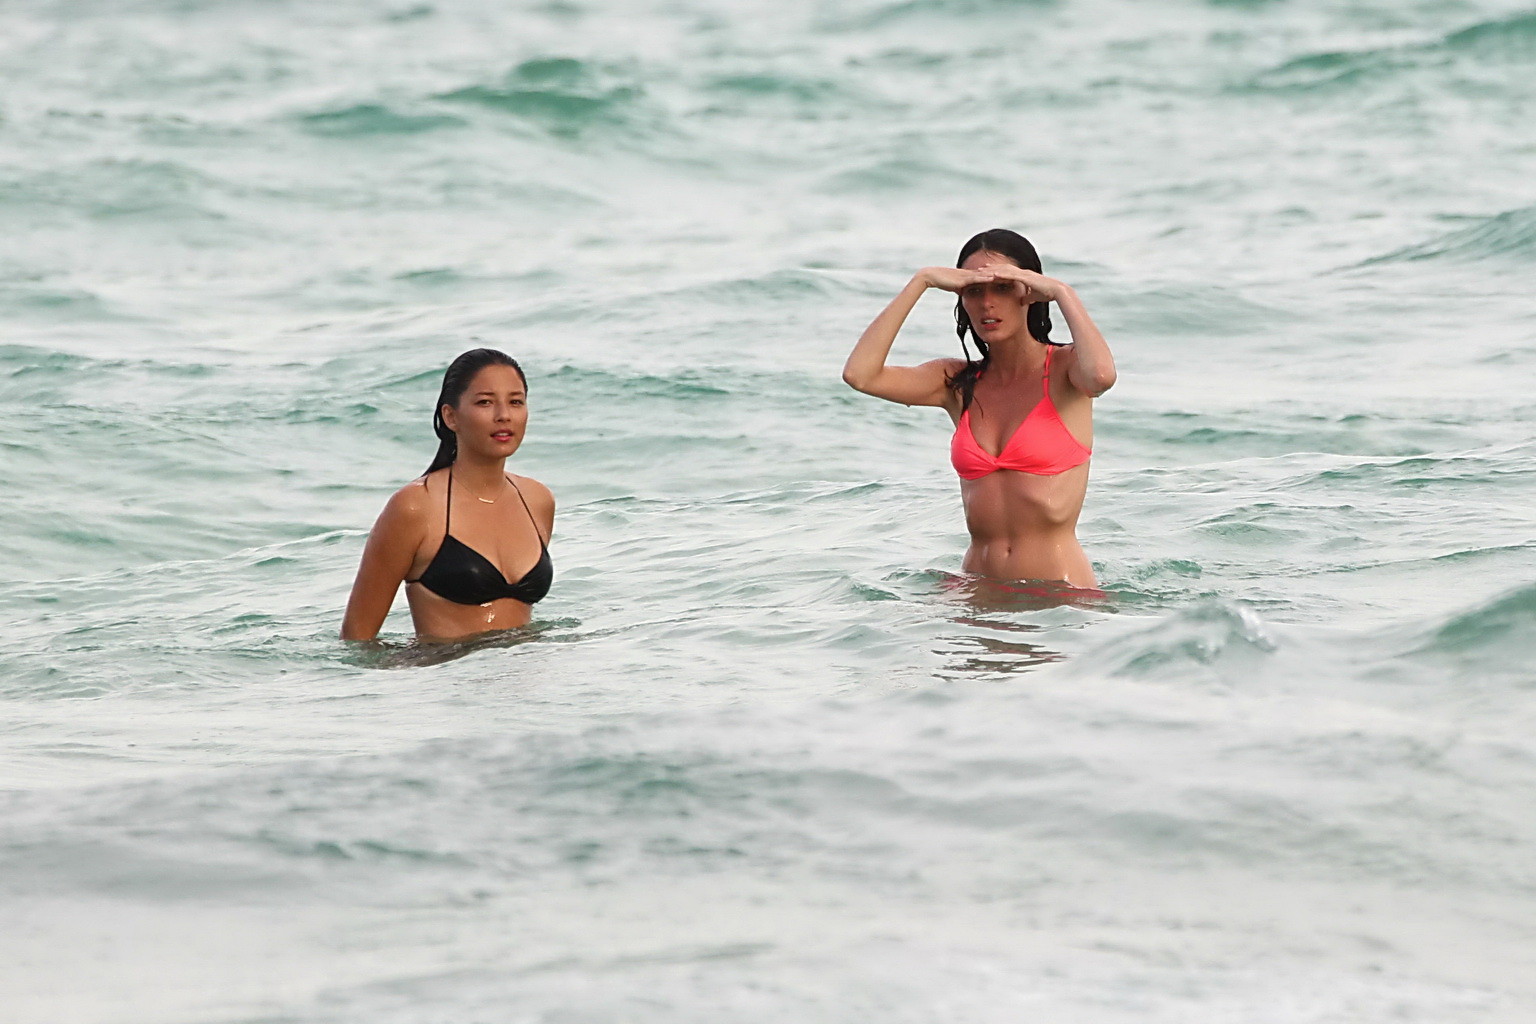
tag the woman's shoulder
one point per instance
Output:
(416, 499)
(540, 501)
(1062, 358)
(945, 370)
(533, 491)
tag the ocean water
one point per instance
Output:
(763, 755)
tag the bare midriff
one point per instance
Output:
(437, 618)
(1024, 526)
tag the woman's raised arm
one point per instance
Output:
(927, 384)
(1092, 370)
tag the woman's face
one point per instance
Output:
(492, 414)
(997, 309)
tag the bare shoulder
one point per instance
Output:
(535, 493)
(411, 504)
(1063, 358)
(541, 502)
(945, 370)
(1063, 361)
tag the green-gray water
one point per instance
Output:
(762, 756)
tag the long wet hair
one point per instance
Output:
(1018, 249)
(455, 382)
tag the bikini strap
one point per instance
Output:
(1045, 375)
(535, 522)
(448, 508)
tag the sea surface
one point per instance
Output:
(764, 755)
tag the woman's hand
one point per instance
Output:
(954, 279)
(1033, 287)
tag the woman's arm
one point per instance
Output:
(927, 384)
(387, 558)
(1092, 370)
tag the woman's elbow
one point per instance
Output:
(1096, 382)
(855, 380)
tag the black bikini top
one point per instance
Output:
(463, 575)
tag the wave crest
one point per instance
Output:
(1508, 234)
(1514, 36)
(562, 95)
(368, 119)
(1494, 638)
(1512, 39)
(1215, 633)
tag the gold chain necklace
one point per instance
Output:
(472, 494)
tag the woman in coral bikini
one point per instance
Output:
(1023, 412)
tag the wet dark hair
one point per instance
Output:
(455, 382)
(1018, 249)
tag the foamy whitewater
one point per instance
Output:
(764, 756)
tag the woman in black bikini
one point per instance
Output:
(468, 538)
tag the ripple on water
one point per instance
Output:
(1500, 466)
(564, 96)
(1512, 38)
(1485, 44)
(892, 14)
(131, 187)
(367, 120)
(1509, 235)
(1493, 642)
(1220, 640)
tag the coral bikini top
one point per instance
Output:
(1041, 445)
